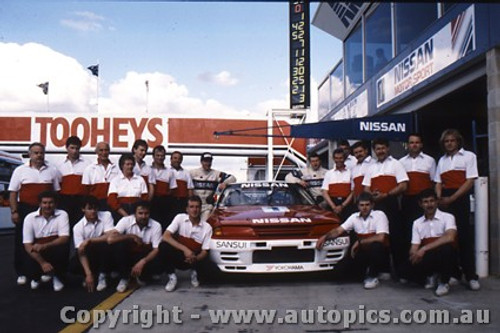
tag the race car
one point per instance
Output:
(272, 227)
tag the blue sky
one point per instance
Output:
(231, 55)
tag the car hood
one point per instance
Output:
(272, 216)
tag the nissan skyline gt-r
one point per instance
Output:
(272, 227)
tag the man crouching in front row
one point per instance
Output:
(371, 250)
(185, 245)
(46, 239)
(135, 240)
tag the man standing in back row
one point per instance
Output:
(310, 177)
(455, 175)
(207, 181)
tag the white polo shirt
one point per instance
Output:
(454, 170)
(98, 178)
(358, 173)
(164, 180)
(70, 174)
(421, 171)
(435, 227)
(337, 182)
(84, 229)
(36, 226)
(184, 182)
(29, 182)
(134, 187)
(201, 233)
(375, 223)
(384, 176)
(350, 161)
(144, 171)
(150, 234)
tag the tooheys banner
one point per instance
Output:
(119, 132)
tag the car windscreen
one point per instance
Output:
(265, 194)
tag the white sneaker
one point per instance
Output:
(34, 284)
(101, 282)
(57, 284)
(122, 286)
(371, 283)
(194, 279)
(384, 276)
(474, 285)
(172, 282)
(45, 278)
(453, 281)
(430, 282)
(442, 289)
(21, 280)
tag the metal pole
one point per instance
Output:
(270, 157)
(481, 225)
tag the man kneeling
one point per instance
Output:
(90, 235)
(135, 241)
(46, 239)
(186, 243)
(371, 248)
(432, 251)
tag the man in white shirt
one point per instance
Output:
(371, 247)
(310, 177)
(90, 235)
(46, 240)
(136, 239)
(433, 244)
(186, 243)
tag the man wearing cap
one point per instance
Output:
(207, 181)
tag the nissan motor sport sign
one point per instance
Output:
(448, 45)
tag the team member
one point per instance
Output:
(164, 182)
(455, 175)
(27, 181)
(421, 170)
(186, 243)
(370, 249)
(337, 186)
(136, 239)
(360, 149)
(46, 240)
(386, 179)
(139, 150)
(349, 160)
(207, 181)
(310, 177)
(126, 189)
(97, 176)
(70, 173)
(433, 237)
(184, 185)
(90, 237)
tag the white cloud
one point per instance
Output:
(223, 78)
(84, 22)
(23, 67)
(73, 89)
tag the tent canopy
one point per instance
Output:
(393, 128)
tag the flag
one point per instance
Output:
(45, 87)
(94, 69)
(147, 85)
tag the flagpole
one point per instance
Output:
(97, 90)
(147, 95)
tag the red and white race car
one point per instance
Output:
(270, 227)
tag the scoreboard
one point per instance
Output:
(299, 55)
